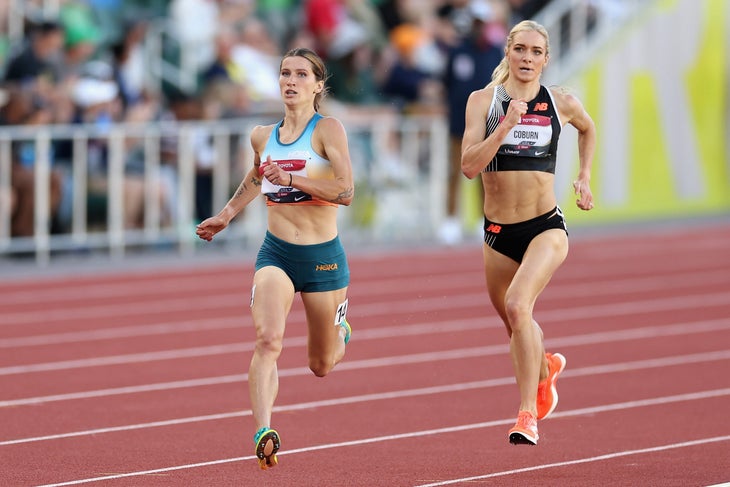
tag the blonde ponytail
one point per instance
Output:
(500, 73)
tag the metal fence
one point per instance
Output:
(129, 186)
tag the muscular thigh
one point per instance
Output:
(499, 271)
(272, 295)
(524, 281)
(543, 257)
(321, 307)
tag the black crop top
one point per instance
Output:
(532, 144)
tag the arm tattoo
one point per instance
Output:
(343, 196)
(240, 190)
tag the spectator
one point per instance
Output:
(4, 37)
(195, 25)
(396, 12)
(106, 15)
(96, 98)
(453, 22)
(322, 18)
(81, 43)
(525, 9)
(389, 13)
(351, 67)
(366, 14)
(356, 77)
(186, 108)
(35, 77)
(414, 81)
(129, 63)
(249, 63)
(469, 67)
(81, 35)
(222, 81)
(223, 67)
(282, 18)
(332, 20)
(40, 58)
(27, 107)
(257, 55)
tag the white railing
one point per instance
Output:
(399, 164)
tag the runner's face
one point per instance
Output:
(297, 81)
(527, 55)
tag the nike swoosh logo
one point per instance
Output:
(299, 198)
(539, 153)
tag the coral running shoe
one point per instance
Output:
(547, 393)
(267, 444)
(524, 432)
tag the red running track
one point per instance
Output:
(129, 378)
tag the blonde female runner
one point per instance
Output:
(510, 140)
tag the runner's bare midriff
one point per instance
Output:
(517, 196)
(303, 225)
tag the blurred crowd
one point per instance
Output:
(85, 62)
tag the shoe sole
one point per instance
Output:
(517, 438)
(270, 460)
(553, 389)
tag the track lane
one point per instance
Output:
(471, 447)
(665, 284)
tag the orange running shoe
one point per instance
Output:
(267, 444)
(524, 432)
(547, 393)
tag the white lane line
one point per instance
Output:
(451, 429)
(237, 301)
(380, 396)
(598, 458)
(123, 286)
(191, 326)
(449, 388)
(395, 332)
(134, 331)
(347, 365)
(171, 328)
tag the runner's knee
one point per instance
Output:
(519, 312)
(269, 343)
(320, 367)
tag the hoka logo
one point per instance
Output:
(492, 228)
(326, 267)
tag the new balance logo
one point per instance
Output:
(541, 107)
(492, 228)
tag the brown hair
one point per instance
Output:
(501, 72)
(318, 68)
